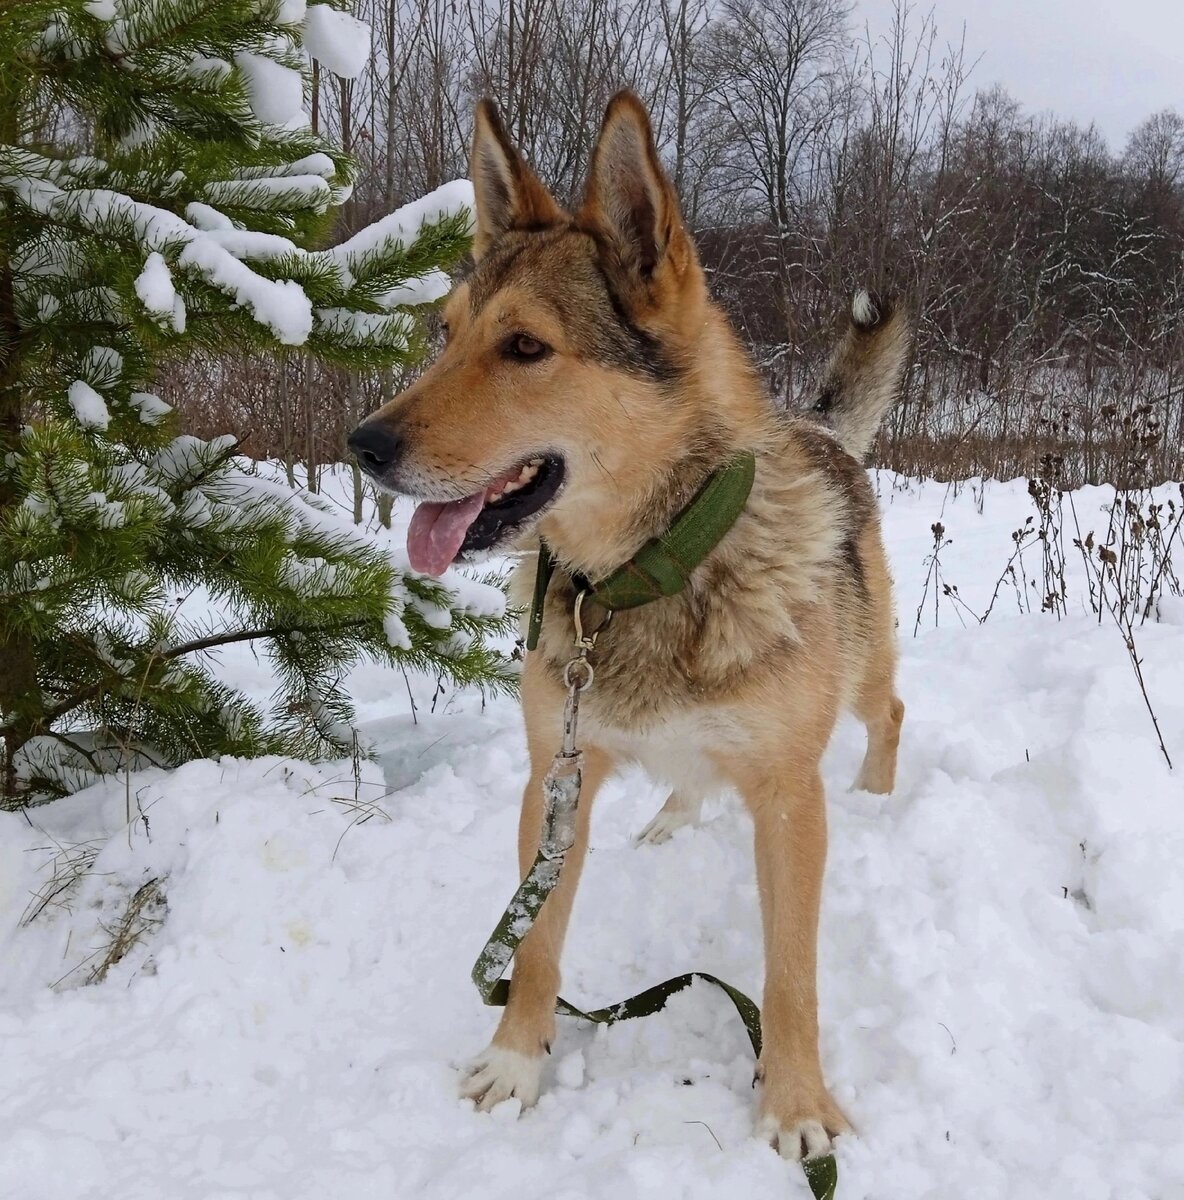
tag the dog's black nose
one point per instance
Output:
(376, 446)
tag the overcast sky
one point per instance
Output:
(1112, 62)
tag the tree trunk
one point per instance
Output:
(310, 430)
(354, 415)
(18, 675)
(286, 424)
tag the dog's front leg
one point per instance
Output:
(512, 1065)
(798, 1116)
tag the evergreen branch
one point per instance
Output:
(199, 644)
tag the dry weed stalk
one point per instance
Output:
(69, 866)
(145, 912)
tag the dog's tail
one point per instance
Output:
(863, 375)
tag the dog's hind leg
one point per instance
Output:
(680, 810)
(876, 702)
(882, 713)
(512, 1064)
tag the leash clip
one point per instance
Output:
(578, 674)
(585, 642)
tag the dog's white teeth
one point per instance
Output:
(528, 472)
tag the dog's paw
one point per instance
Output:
(874, 778)
(677, 813)
(805, 1139)
(802, 1130)
(499, 1074)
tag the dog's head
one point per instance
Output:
(560, 389)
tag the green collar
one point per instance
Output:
(663, 566)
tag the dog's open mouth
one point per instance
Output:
(440, 533)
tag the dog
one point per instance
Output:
(587, 389)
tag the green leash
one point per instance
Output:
(822, 1174)
(661, 568)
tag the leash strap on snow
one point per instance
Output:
(664, 564)
(821, 1173)
(561, 797)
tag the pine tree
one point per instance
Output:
(161, 190)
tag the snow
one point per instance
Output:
(275, 92)
(1001, 950)
(402, 226)
(206, 217)
(340, 41)
(217, 68)
(158, 294)
(151, 407)
(89, 407)
(361, 328)
(305, 191)
(210, 243)
(280, 304)
(435, 285)
(311, 164)
(103, 366)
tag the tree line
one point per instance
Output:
(1044, 268)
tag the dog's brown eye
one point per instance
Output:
(445, 329)
(523, 346)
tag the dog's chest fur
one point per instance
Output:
(669, 674)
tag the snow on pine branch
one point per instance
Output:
(275, 91)
(273, 193)
(158, 293)
(340, 41)
(403, 225)
(246, 489)
(216, 250)
(89, 407)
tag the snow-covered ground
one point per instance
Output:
(1002, 951)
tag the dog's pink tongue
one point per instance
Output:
(436, 531)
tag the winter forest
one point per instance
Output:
(1044, 264)
(260, 776)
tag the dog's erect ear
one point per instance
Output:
(508, 193)
(629, 197)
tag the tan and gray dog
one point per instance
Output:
(588, 388)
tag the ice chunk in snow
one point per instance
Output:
(276, 92)
(89, 407)
(340, 41)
